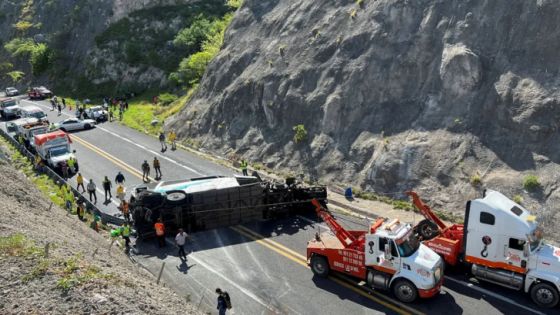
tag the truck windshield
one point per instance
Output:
(8, 104)
(535, 239)
(58, 151)
(407, 245)
(38, 115)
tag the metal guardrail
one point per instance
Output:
(105, 218)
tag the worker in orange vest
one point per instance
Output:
(160, 232)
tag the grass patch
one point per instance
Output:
(141, 111)
(518, 199)
(17, 245)
(531, 182)
(76, 271)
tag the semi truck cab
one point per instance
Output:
(504, 244)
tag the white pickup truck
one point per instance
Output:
(54, 148)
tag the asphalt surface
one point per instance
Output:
(261, 265)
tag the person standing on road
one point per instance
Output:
(157, 168)
(119, 179)
(224, 301)
(145, 171)
(160, 232)
(91, 190)
(180, 240)
(53, 104)
(72, 164)
(107, 188)
(80, 180)
(162, 141)
(125, 210)
(63, 103)
(59, 107)
(120, 192)
(172, 137)
(64, 169)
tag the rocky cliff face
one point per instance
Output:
(393, 94)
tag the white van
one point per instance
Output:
(32, 111)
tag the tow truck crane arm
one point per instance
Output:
(425, 210)
(344, 236)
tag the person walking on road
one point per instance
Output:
(244, 166)
(160, 232)
(162, 141)
(59, 107)
(172, 137)
(157, 168)
(53, 104)
(107, 188)
(180, 240)
(80, 180)
(64, 103)
(91, 187)
(119, 179)
(145, 171)
(64, 169)
(224, 301)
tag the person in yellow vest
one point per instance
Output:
(72, 164)
(172, 137)
(125, 232)
(120, 192)
(244, 166)
(68, 197)
(80, 180)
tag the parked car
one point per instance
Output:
(32, 111)
(72, 124)
(96, 113)
(12, 91)
(8, 108)
(39, 93)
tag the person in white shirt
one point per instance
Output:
(180, 240)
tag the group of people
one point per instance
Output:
(58, 104)
(146, 170)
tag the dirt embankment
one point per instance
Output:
(71, 280)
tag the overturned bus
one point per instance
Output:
(210, 202)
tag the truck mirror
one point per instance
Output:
(526, 249)
(387, 251)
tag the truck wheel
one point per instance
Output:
(544, 295)
(405, 291)
(320, 266)
(87, 126)
(175, 197)
(427, 229)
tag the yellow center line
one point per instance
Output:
(109, 157)
(301, 260)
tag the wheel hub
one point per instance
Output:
(545, 296)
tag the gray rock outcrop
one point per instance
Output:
(394, 94)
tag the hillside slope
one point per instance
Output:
(72, 279)
(394, 94)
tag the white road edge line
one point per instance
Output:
(231, 282)
(131, 142)
(494, 295)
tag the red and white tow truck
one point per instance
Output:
(501, 241)
(387, 257)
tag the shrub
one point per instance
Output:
(193, 36)
(23, 26)
(300, 133)
(518, 199)
(40, 59)
(167, 98)
(531, 182)
(16, 76)
(476, 180)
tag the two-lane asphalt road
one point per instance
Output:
(262, 265)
